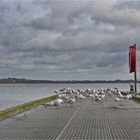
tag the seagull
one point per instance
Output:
(51, 103)
(116, 99)
(71, 100)
(59, 101)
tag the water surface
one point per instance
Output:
(14, 94)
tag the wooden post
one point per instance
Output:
(135, 73)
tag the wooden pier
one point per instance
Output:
(85, 120)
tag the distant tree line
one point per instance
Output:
(23, 80)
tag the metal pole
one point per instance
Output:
(135, 77)
(135, 73)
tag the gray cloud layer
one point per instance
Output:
(75, 39)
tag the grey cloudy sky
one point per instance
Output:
(68, 39)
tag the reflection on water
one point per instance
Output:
(13, 94)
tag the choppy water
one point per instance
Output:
(14, 94)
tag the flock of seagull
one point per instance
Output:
(70, 96)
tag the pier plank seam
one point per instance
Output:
(61, 133)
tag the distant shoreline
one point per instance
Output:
(29, 81)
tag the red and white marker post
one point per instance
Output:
(132, 63)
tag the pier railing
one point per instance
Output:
(134, 96)
(8, 112)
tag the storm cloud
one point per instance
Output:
(60, 39)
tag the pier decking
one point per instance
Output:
(85, 120)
